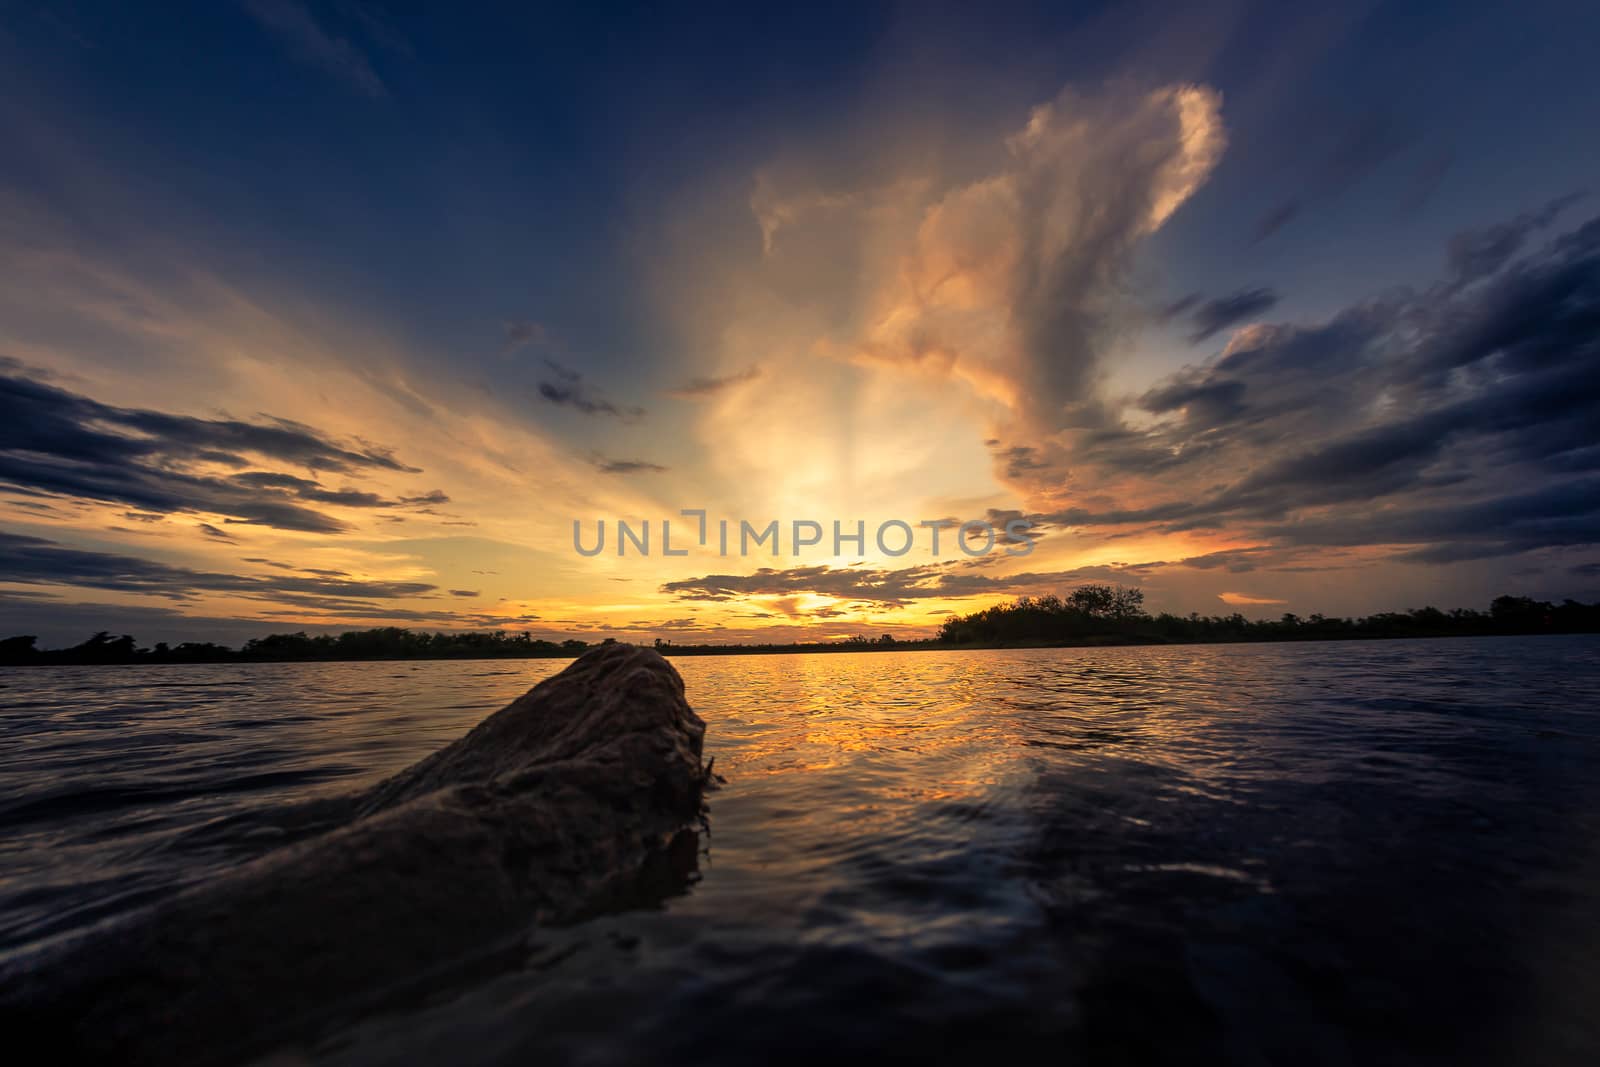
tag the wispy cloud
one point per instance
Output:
(40, 561)
(519, 333)
(567, 388)
(1479, 252)
(316, 46)
(1210, 317)
(1007, 282)
(66, 444)
(1362, 147)
(216, 534)
(700, 388)
(628, 466)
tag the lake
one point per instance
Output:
(1312, 853)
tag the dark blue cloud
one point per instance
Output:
(61, 443)
(567, 388)
(1463, 420)
(1363, 146)
(1480, 252)
(1211, 317)
(39, 561)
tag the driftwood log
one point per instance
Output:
(577, 798)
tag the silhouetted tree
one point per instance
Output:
(1090, 614)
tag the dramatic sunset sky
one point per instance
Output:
(319, 316)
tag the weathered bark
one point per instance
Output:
(573, 799)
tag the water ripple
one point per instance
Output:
(1375, 851)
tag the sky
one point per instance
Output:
(327, 316)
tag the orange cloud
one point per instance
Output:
(1245, 599)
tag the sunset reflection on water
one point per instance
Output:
(1031, 849)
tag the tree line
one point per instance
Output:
(1088, 615)
(1095, 614)
(385, 642)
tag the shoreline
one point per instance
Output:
(843, 648)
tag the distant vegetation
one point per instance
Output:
(1100, 614)
(1089, 615)
(388, 642)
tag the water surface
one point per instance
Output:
(1307, 853)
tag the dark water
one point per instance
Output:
(1320, 853)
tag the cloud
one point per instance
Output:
(1012, 282)
(216, 534)
(1450, 423)
(58, 623)
(522, 332)
(77, 427)
(1234, 560)
(1277, 219)
(39, 561)
(628, 466)
(376, 26)
(1479, 253)
(1008, 275)
(464, 592)
(1427, 179)
(1180, 306)
(1018, 460)
(1245, 599)
(568, 389)
(1000, 518)
(882, 587)
(1363, 146)
(1211, 317)
(62, 443)
(700, 388)
(312, 44)
(676, 625)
